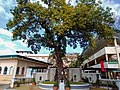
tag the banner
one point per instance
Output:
(102, 66)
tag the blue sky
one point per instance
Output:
(7, 46)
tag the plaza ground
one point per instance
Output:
(28, 88)
(37, 88)
(97, 89)
(2, 87)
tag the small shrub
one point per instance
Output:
(77, 82)
(16, 83)
(48, 82)
(114, 85)
(56, 84)
(33, 80)
(67, 84)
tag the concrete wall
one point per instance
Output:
(74, 74)
(5, 79)
(21, 64)
(41, 77)
(92, 77)
(52, 74)
(26, 65)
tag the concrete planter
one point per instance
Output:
(55, 88)
(33, 83)
(67, 88)
(72, 87)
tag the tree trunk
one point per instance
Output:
(60, 73)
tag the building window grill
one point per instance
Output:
(23, 69)
(75, 77)
(0, 69)
(18, 70)
(5, 70)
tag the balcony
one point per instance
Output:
(109, 64)
(113, 62)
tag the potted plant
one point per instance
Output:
(56, 86)
(33, 82)
(16, 84)
(67, 85)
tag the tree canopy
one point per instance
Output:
(60, 24)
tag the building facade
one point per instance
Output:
(26, 65)
(16, 66)
(73, 74)
(106, 52)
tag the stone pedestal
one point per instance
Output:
(61, 85)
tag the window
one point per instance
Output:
(40, 78)
(5, 70)
(0, 70)
(11, 70)
(23, 71)
(74, 77)
(18, 70)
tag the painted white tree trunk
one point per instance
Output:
(62, 85)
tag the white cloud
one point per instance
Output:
(1, 41)
(5, 32)
(10, 3)
(7, 52)
(5, 6)
(22, 43)
(115, 9)
(112, 4)
(4, 14)
(10, 45)
(44, 5)
(72, 2)
(19, 49)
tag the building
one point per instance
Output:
(26, 65)
(106, 54)
(16, 66)
(70, 57)
(73, 74)
(29, 54)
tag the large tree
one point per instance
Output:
(59, 24)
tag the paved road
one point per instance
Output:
(3, 87)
